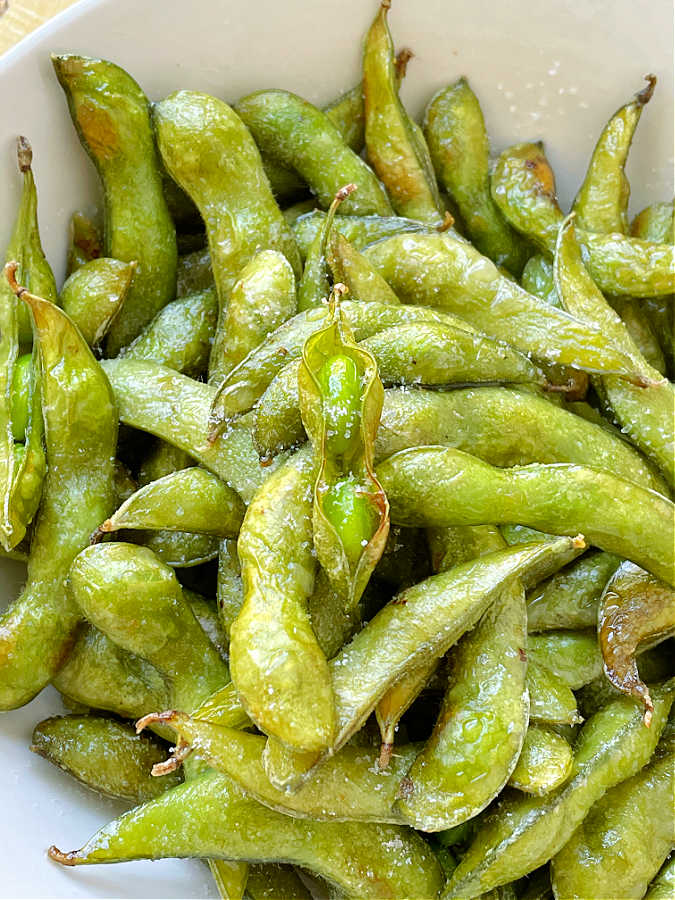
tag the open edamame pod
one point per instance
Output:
(455, 131)
(277, 665)
(78, 493)
(112, 117)
(395, 145)
(94, 294)
(191, 500)
(626, 836)
(298, 135)
(197, 818)
(440, 486)
(524, 832)
(105, 755)
(647, 417)
(635, 609)
(340, 395)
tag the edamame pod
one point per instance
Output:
(277, 665)
(196, 819)
(482, 723)
(351, 268)
(38, 628)
(635, 608)
(94, 294)
(191, 500)
(394, 144)
(262, 299)
(545, 762)
(440, 486)
(525, 832)
(298, 135)
(625, 837)
(663, 886)
(458, 144)
(602, 202)
(646, 417)
(180, 335)
(574, 656)
(112, 117)
(358, 230)
(349, 787)
(551, 700)
(447, 272)
(340, 396)
(105, 755)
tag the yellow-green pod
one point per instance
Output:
(94, 294)
(545, 762)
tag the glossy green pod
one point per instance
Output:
(351, 268)
(602, 202)
(191, 500)
(112, 117)
(545, 762)
(625, 837)
(574, 656)
(208, 150)
(455, 131)
(94, 295)
(395, 146)
(523, 186)
(37, 629)
(340, 397)
(635, 609)
(440, 486)
(422, 622)
(552, 701)
(105, 755)
(570, 598)
(198, 819)
(161, 460)
(358, 230)
(302, 138)
(395, 703)
(230, 589)
(180, 336)
(85, 242)
(663, 886)
(171, 406)
(537, 279)
(277, 665)
(447, 272)
(262, 298)
(480, 729)
(648, 418)
(349, 787)
(524, 832)
(634, 316)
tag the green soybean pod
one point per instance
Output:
(38, 627)
(455, 131)
(112, 117)
(612, 513)
(105, 755)
(480, 729)
(299, 136)
(94, 295)
(277, 664)
(394, 143)
(646, 418)
(537, 279)
(262, 298)
(351, 268)
(189, 500)
(574, 656)
(524, 832)
(552, 702)
(196, 819)
(625, 837)
(181, 334)
(545, 762)
(663, 886)
(85, 242)
(208, 150)
(602, 202)
(358, 230)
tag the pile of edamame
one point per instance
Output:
(342, 466)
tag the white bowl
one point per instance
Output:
(554, 70)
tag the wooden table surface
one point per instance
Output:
(19, 17)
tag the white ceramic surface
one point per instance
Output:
(554, 70)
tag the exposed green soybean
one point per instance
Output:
(105, 755)
(440, 486)
(302, 138)
(21, 391)
(112, 117)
